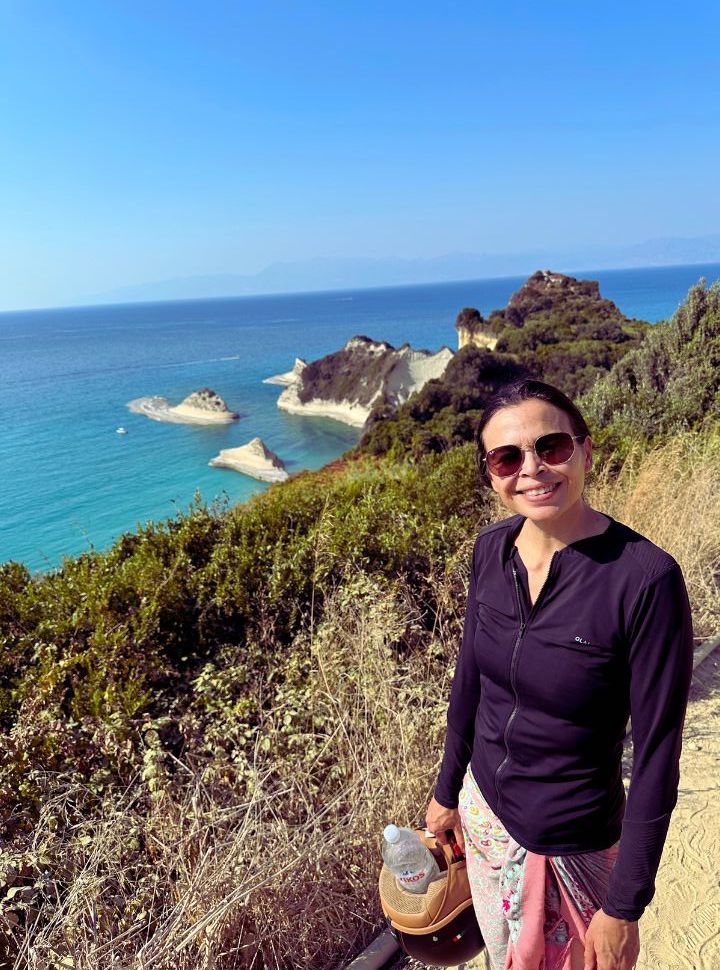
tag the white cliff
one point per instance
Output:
(290, 376)
(347, 384)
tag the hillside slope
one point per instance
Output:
(554, 327)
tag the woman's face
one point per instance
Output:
(526, 491)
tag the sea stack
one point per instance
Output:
(254, 459)
(201, 407)
(206, 405)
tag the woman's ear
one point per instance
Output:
(587, 446)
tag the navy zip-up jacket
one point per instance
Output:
(542, 694)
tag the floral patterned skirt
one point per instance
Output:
(529, 907)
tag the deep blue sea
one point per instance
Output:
(70, 483)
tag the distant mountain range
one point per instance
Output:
(360, 272)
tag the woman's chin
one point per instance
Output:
(544, 513)
(549, 508)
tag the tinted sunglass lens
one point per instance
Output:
(504, 461)
(555, 448)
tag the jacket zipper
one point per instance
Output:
(513, 669)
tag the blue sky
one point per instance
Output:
(155, 140)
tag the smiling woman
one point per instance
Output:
(522, 408)
(573, 623)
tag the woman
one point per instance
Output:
(573, 623)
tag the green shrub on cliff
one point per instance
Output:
(445, 412)
(554, 327)
(115, 640)
(670, 383)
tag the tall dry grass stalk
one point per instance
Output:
(672, 495)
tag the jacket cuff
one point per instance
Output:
(632, 881)
(631, 915)
(445, 798)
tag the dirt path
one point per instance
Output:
(681, 929)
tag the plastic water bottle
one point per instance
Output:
(409, 859)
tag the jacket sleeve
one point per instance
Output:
(464, 700)
(661, 650)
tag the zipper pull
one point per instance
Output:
(521, 611)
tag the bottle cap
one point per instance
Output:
(391, 833)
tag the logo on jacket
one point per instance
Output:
(585, 643)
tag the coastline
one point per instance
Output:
(102, 484)
(345, 411)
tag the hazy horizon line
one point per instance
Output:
(338, 289)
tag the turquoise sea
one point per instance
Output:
(70, 483)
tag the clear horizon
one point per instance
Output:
(163, 143)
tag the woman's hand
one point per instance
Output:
(438, 819)
(610, 943)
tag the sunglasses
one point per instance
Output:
(551, 449)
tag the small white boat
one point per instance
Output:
(121, 431)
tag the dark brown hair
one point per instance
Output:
(510, 395)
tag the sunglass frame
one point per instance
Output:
(549, 434)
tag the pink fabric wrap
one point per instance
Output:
(530, 907)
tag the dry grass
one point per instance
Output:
(284, 878)
(672, 496)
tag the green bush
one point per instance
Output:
(555, 328)
(671, 382)
(189, 618)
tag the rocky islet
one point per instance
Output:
(254, 459)
(201, 407)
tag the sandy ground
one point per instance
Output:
(681, 928)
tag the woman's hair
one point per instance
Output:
(510, 395)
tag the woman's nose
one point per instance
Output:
(531, 463)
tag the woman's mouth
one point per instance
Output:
(542, 491)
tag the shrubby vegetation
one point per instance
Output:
(119, 636)
(668, 384)
(178, 667)
(554, 327)
(204, 728)
(445, 412)
(561, 329)
(352, 373)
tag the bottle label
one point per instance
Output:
(410, 878)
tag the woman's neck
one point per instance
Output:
(544, 538)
